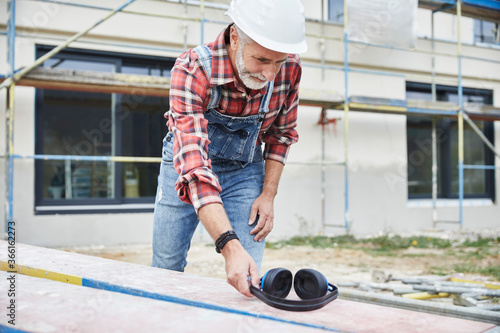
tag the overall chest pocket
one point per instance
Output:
(226, 143)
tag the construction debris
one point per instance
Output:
(452, 289)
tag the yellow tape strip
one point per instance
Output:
(363, 106)
(486, 284)
(40, 273)
(135, 159)
(424, 295)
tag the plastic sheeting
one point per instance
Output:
(385, 22)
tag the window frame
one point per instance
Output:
(444, 170)
(479, 30)
(118, 203)
(338, 20)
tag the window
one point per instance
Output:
(336, 11)
(486, 32)
(477, 183)
(98, 124)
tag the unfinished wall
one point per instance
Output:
(377, 142)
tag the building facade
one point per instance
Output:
(364, 171)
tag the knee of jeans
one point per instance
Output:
(173, 263)
(256, 251)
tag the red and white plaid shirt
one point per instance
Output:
(190, 92)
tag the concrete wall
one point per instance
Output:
(377, 142)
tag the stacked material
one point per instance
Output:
(475, 295)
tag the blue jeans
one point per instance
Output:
(175, 221)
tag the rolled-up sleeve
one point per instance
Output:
(189, 88)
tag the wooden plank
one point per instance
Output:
(75, 80)
(89, 81)
(217, 294)
(47, 306)
(41, 273)
(320, 98)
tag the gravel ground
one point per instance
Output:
(337, 264)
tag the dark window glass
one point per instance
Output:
(475, 181)
(486, 32)
(143, 127)
(336, 11)
(419, 144)
(76, 123)
(77, 64)
(99, 124)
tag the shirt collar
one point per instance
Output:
(222, 71)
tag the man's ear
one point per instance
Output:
(234, 39)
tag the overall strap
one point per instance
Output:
(205, 56)
(264, 103)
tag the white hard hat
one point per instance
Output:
(278, 25)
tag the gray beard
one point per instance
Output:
(245, 75)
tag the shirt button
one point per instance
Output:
(243, 94)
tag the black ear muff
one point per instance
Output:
(309, 284)
(277, 282)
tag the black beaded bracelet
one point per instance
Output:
(223, 239)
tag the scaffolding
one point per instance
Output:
(34, 76)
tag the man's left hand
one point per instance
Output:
(263, 207)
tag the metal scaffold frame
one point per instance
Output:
(37, 77)
(460, 113)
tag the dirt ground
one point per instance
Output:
(337, 264)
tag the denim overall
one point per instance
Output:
(236, 160)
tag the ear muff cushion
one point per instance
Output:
(277, 282)
(309, 284)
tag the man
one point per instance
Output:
(226, 99)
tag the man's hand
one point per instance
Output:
(263, 207)
(240, 266)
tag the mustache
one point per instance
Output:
(259, 76)
(256, 75)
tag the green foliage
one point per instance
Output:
(470, 268)
(316, 242)
(470, 253)
(385, 242)
(481, 242)
(431, 242)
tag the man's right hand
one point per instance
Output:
(240, 266)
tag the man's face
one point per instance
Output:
(254, 81)
(256, 65)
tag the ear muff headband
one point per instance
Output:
(295, 305)
(310, 285)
